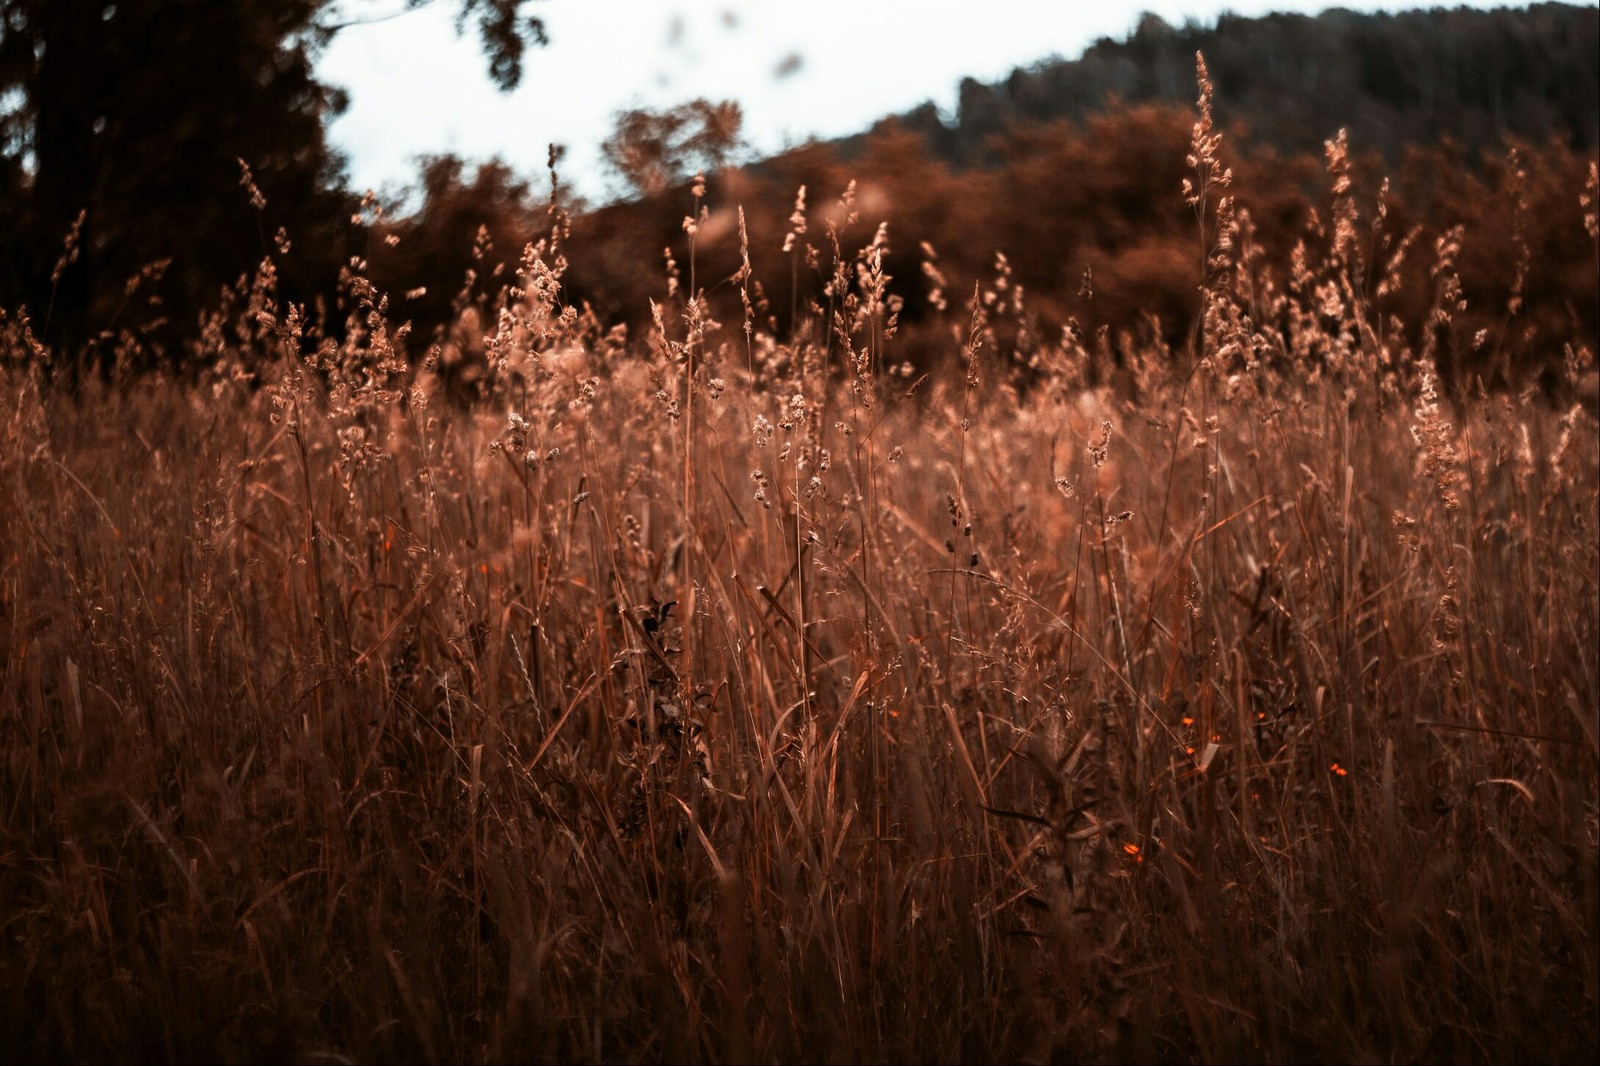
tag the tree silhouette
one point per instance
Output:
(650, 150)
(137, 115)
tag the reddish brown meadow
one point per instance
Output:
(723, 696)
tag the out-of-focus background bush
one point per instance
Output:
(139, 121)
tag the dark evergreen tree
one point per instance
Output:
(137, 115)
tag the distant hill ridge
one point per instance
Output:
(1075, 169)
(1476, 77)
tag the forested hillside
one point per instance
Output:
(1393, 81)
(1071, 172)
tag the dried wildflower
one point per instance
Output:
(1226, 235)
(1345, 214)
(1392, 276)
(1564, 443)
(69, 248)
(1300, 276)
(1576, 360)
(1100, 445)
(1330, 303)
(794, 413)
(247, 182)
(1589, 202)
(1447, 618)
(1447, 249)
(1435, 441)
(797, 221)
(936, 279)
(672, 277)
(692, 223)
(1519, 230)
(1203, 145)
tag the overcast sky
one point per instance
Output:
(799, 68)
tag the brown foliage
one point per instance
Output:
(1064, 203)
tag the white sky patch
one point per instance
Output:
(818, 69)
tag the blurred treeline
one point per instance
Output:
(1073, 171)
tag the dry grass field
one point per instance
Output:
(717, 696)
